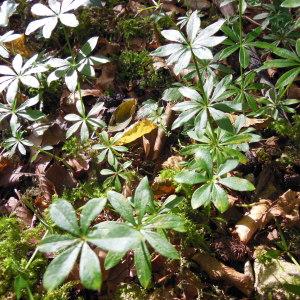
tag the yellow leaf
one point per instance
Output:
(18, 46)
(122, 116)
(135, 131)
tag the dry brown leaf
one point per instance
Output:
(23, 214)
(46, 186)
(60, 177)
(79, 163)
(174, 162)
(258, 124)
(18, 46)
(288, 207)
(107, 77)
(68, 99)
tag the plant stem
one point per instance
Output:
(199, 83)
(52, 155)
(241, 36)
(35, 252)
(68, 42)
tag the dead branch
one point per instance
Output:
(218, 271)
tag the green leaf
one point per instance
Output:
(90, 211)
(292, 288)
(55, 242)
(287, 78)
(60, 267)
(190, 177)
(298, 44)
(112, 259)
(228, 166)
(205, 159)
(227, 51)
(167, 221)
(121, 205)
(201, 196)
(184, 117)
(291, 3)
(279, 63)
(237, 184)
(63, 215)
(113, 236)
(143, 197)
(19, 284)
(285, 53)
(244, 57)
(89, 269)
(219, 198)
(142, 262)
(171, 202)
(160, 244)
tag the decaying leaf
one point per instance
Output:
(271, 277)
(173, 162)
(79, 163)
(17, 208)
(18, 46)
(258, 124)
(60, 177)
(107, 77)
(123, 115)
(136, 131)
(288, 207)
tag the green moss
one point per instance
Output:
(138, 27)
(62, 293)
(15, 250)
(130, 292)
(290, 130)
(137, 68)
(74, 147)
(93, 21)
(87, 190)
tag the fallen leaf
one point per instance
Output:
(107, 77)
(18, 46)
(288, 207)
(17, 208)
(135, 131)
(258, 124)
(79, 163)
(60, 177)
(123, 115)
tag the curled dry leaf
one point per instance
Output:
(258, 124)
(17, 208)
(218, 271)
(79, 163)
(18, 46)
(174, 162)
(252, 221)
(46, 186)
(288, 207)
(107, 77)
(68, 99)
(123, 115)
(60, 177)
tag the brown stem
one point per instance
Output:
(161, 133)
